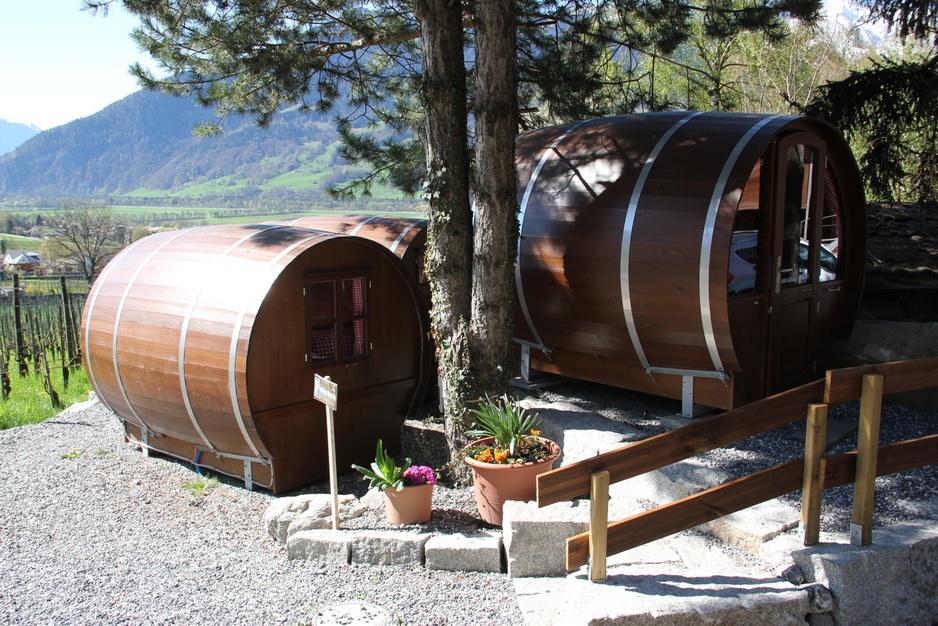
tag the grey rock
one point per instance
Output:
(820, 619)
(332, 546)
(580, 434)
(794, 575)
(819, 599)
(903, 559)
(286, 516)
(471, 553)
(536, 539)
(750, 528)
(388, 547)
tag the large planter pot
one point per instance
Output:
(409, 506)
(494, 483)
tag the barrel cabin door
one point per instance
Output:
(804, 238)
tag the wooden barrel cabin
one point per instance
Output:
(707, 257)
(206, 341)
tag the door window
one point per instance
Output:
(745, 267)
(798, 213)
(831, 230)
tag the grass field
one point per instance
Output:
(192, 216)
(15, 242)
(29, 403)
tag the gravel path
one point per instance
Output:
(93, 532)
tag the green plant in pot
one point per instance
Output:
(507, 457)
(407, 488)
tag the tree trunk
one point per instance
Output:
(449, 232)
(495, 244)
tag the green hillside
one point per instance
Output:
(143, 150)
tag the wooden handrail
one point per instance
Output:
(691, 511)
(844, 385)
(742, 493)
(840, 386)
(572, 481)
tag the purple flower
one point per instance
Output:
(419, 475)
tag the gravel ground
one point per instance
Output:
(94, 532)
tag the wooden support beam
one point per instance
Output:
(813, 485)
(599, 521)
(771, 483)
(844, 385)
(864, 489)
(691, 511)
(573, 481)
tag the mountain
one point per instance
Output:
(143, 149)
(13, 134)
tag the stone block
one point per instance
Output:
(750, 528)
(286, 516)
(903, 559)
(334, 546)
(536, 539)
(389, 547)
(479, 552)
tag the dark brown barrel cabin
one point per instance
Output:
(205, 342)
(707, 257)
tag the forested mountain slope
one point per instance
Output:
(144, 148)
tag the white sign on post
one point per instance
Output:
(327, 392)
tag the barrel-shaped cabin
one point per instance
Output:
(205, 342)
(707, 257)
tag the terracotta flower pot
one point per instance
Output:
(494, 483)
(409, 506)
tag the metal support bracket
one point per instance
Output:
(248, 476)
(687, 396)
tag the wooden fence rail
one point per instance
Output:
(812, 473)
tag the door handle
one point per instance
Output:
(778, 274)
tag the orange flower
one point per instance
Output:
(500, 455)
(485, 456)
(536, 433)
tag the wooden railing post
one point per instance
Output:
(871, 403)
(599, 524)
(815, 441)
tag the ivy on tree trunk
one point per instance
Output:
(449, 230)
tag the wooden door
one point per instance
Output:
(804, 282)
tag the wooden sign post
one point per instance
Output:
(327, 392)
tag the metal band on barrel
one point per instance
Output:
(236, 334)
(706, 243)
(400, 237)
(117, 321)
(183, 335)
(523, 208)
(626, 247)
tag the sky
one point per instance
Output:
(59, 63)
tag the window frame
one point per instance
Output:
(313, 315)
